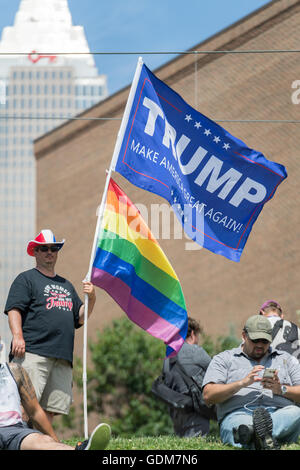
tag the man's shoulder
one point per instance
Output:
(192, 351)
(228, 354)
(285, 356)
(188, 348)
(25, 275)
(219, 365)
(35, 274)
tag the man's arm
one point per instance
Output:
(30, 402)
(293, 391)
(214, 393)
(88, 288)
(15, 324)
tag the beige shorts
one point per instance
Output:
(52, 381)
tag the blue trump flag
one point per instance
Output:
(216, 185)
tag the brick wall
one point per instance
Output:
(72, 160)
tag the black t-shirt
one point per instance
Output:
(50, 312)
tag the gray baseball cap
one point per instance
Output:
(259, 327)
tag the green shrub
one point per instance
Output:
(222, 343)
(126, 360)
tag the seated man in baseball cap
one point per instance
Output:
(255, 410)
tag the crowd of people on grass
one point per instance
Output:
(252, 391)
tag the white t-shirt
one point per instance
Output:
(10, 403)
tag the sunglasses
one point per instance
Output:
(45, 248)
(260, 340)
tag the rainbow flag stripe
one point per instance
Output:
(130, 265)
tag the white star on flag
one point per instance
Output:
(188, 117)
(207, 132)
(226, 146)
(217, 139)
(197, 124)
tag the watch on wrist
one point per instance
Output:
(283, 389)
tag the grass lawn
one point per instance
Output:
(172, 443)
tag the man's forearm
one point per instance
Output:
(215, 393)
(15, 322)
(91, 304)
(218, 393)
(41, 423)
(293, 393)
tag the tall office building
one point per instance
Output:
(39, 89)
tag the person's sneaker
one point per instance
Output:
(263, 427)
(243, 434)
(98, 440)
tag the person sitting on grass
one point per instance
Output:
(194, 360)
(255, 411)
(16, 389)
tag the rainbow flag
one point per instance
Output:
(130, 265)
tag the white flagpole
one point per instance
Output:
(99, 222)
(86, 304)
(127, 112)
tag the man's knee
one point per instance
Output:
(37, 441)
(286, 421)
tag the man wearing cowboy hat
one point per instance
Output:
(43, 311)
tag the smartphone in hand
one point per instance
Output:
(269, 373)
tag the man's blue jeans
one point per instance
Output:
(286, 423)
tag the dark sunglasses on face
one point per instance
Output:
(45, 248)
(260, 340)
